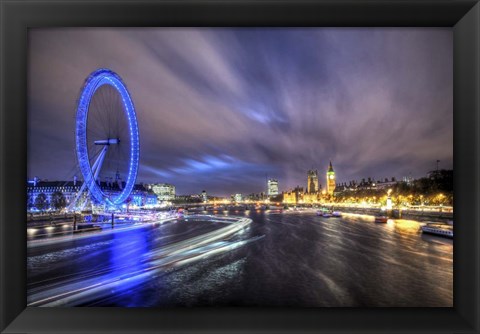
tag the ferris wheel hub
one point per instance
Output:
(110, 141)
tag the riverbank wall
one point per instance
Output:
(403, 214)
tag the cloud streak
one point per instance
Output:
(218, 109)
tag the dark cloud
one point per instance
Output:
(219, 109)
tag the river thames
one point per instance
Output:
(290, 258)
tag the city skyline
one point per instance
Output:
(225, 107)
(319, 188)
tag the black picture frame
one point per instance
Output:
(18, 16)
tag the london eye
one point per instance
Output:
(107, 139)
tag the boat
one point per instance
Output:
(324, 213)
(381, 219)
(336, 214)
(439, 229)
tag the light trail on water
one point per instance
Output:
(95, 284)
(290, 258)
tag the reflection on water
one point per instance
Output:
(280, 259)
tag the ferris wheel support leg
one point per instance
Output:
(74, 202)
(99, 163)
(96, 170)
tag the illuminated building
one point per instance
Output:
(272, 187)
(294, 196)
(164, 191)
(204, 196)
(313, 188)
(330, 180)
(408, 179)
(386, 183)
(255, 197)
(364, 184)
(36, 187)
(312, 181)
(238, 197)
(140, 195)
(193, 198)
(311, 197)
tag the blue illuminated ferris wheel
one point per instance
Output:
(107, 140)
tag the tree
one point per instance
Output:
(41, 202)
(58, 200)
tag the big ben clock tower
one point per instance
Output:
(330, 180)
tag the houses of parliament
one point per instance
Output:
(314, 192)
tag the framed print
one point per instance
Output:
(239, 166)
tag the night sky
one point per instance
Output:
(219, 109)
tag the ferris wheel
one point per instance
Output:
(107, 139)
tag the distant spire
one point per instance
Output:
(330, 168)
